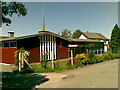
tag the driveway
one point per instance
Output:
(101, 75)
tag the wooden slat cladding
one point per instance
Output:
(7, 55)
(62, 49)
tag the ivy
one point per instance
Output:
(26, 56)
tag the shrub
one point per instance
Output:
(44, 56)
(114, 56)
(81, 56)
(26, 56)
(107, 56)
(90, 55)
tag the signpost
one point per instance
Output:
(101, 50)
(52, 60)
(72, 57)
(19, 61)
(87, 52)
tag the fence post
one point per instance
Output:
(87, 51)
(97, 52)
(19, 61)
(72, 57)
(22, 60)
(52, 60)
(101, 50)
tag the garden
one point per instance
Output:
(79, 60)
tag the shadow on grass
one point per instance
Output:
(16, 80)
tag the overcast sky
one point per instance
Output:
(99, 17)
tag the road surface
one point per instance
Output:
(101, 75)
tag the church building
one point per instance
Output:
(49, 42)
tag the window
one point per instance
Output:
(1, 44)
(6, 44)
(9, 44)
(13, 44)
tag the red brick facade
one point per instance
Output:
(33, 46)
(34, 55)
(7, 55)
(62, 49)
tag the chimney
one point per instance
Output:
(10, 34)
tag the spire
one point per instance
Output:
(43, 21)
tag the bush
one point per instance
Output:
(44, 56)
(90, 55)
(114, 56)
(107, 56)
(22, 50)
(81, 56)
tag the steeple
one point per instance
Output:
(43, 21)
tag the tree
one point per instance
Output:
(76, 34)
(65, 33)
(10, 8)
(115, 39)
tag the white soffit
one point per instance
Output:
(72, 45)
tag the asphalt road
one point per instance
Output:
(101, 75)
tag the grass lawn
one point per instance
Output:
(17, 80)
(59, 67)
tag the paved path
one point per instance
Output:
(6, 67)
(101, 75)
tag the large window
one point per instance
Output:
(8, 44)
(13, 44)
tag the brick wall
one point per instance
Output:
(7, 55)
(62, 49)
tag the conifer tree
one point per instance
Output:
(115, 39)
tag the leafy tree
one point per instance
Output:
(11, 8)
(115, 39)
(76, 34)
(65, 33)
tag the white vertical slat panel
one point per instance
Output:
(45, 43)
(50, 48)
(55, 47)
(42, 43)
(40, 47)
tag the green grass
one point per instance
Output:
(59, 67)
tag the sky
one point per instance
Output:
(98, 17)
